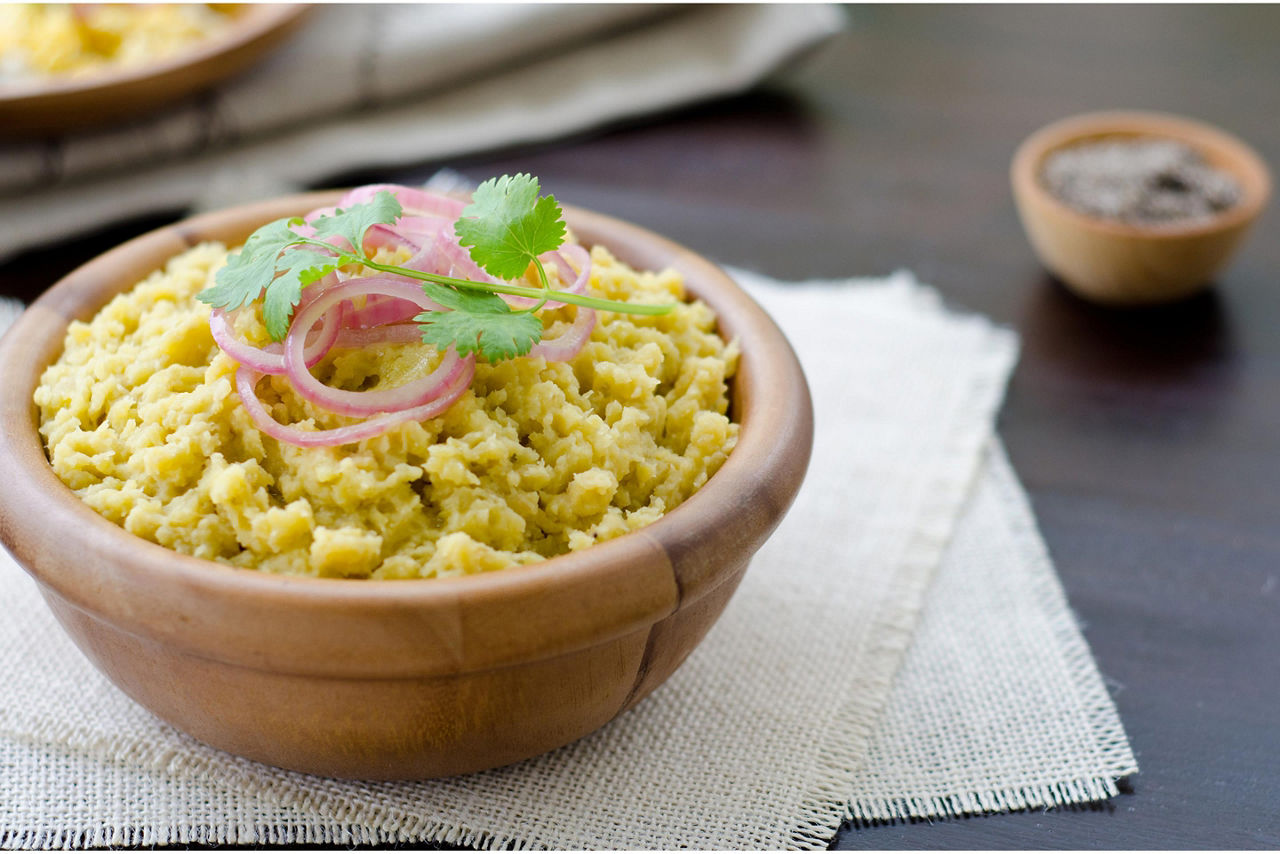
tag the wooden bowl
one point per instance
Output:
(397, 679)
(56, 105)
(1119, 264)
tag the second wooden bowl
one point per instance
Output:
(60, 105)
(1118, 264)
(397, 679)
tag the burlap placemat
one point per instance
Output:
(784, 722)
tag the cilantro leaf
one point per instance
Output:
(352, 223)
(507, 225)
(477, 323)
(275, 260)
(251, 269)
(297, 268)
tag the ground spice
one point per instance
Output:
(1145, 182)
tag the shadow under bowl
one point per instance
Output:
(397, 679)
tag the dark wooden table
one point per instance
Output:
(1148, 439)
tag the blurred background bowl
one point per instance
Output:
(51, 105)
(1115, 263)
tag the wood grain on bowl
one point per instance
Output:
(398, 679)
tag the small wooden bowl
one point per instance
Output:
(1118, 264)
(397, 679)
(57, 105)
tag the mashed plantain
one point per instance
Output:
(141, 418)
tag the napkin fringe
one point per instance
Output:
(372, 822)
(960, 805)
(258, 834)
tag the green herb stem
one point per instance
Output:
(519, 291)
(546, 287)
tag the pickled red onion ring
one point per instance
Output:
(411, 199)
(341, 401)
(391, 333)
(460, 260)
(247, 382)
(378, 312)
(385, 237)
(414, 233)
(569, 343)
(421, 224)
(583, 275)
(270, 359)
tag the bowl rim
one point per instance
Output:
(1253, 176)
(755, 484)
(250, 22)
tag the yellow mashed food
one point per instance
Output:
(141, 418)
(54, 39)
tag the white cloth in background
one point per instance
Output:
(366, 86)
(785, 721)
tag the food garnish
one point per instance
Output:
(321, 286)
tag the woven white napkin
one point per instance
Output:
(369, 85)
(998, 705)
(784, 722)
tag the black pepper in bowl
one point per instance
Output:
(1142, 182)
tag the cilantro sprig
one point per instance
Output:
(478, 322)
(505, 228)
